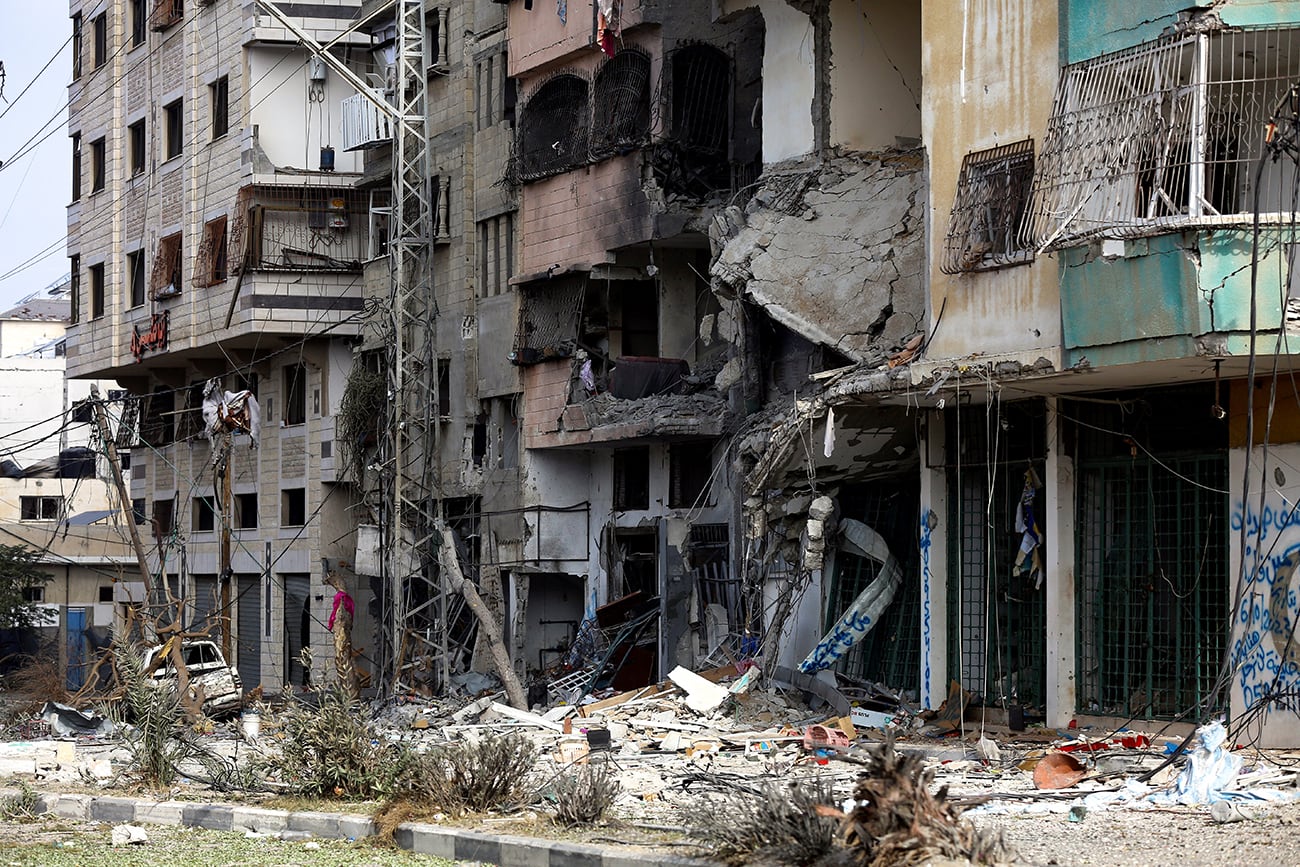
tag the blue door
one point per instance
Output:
(75, 630)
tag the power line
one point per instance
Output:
(47, 65)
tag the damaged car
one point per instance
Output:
(212, 679)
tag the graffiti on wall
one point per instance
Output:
(928, 522)
(1265, 648)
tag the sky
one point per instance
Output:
(34, 187)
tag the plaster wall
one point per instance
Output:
(788, 78)
(292, 124)
(989, 79)
(875, 73)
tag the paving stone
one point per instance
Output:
(115, 810)
(259, 820)
(213, 817)
(161, 812)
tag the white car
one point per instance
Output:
(208, 670)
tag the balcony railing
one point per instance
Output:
(364, 125)
(295, 229)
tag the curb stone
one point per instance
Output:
(437, 840)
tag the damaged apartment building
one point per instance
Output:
(1066, 485)
(217, 239)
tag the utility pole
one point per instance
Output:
(110, 447)
(227, 620)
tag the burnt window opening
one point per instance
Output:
(205, 515)
(632, 478)
(640, 320)
(159, 425)
(550, 313)
(245, 511)
(701, 98)
(165, 280)
(164, 512)
(294, 394)
(553, 129)
(992, 195)
(479, 445)
(444, 389)
(690, 470)
(621, 104)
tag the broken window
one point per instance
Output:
(293, 507)
(1161, 136)
(97, 290)
(444, 389)
(210, 268)
(245, 511)
(621, 104)
(158, 428)
(701, 98)
(553, 129)
(294, 394)
(549, 315)
(690, 471)
(135, 277)
(632, 478)
(174, 129)
(41, 508)
(205, 515)
(992, 193)
(219, 95)
(165, 281)
(74, 287)
(163, 514)
(136, 135)
(76, 44)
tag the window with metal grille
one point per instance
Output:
(549, 316)
(992, 194)
(701, 97)
(632, 478)
(136, 136)
(97, 290)
(621, 104)
(210, 268)
(41, 508)
(165, 280)
(1163, 136)
(553, 128)
(135, 277)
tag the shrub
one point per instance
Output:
(584, 796)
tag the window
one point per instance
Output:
(166, 13)
(135, 278)
(137, 510)
(245, 516)
(205, 514)
(97, 290)
(136, 131)
(74, 289)
(434, 50)
(690, 467)
(41, 508)
(1162, 136)
(211, 265)
(621, 103)
(76, 166)
(293, 507)
(165, 281)
(33, 594)
(219, 92)
(992, 194)
(632, 478)
(295, 394)
(701, 94)
(76, 45)
(444, 388)
(496, 254)
(159, 425)
(553, 129)
(99, 27)
(174, 129)
(163, 511)
(98, 167)
(137, 22)
(106, 594)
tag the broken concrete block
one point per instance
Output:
(702, 695)
(672, 743)
(706, 328)
(816, 530)
(728, 376)
(821, 508)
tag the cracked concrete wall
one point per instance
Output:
(835, 254)
(989, 81)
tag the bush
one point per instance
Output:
(778, 825)
(584, 797)
(150, 717)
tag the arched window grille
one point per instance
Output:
(621, 104)
(701, 97)
(553, 128)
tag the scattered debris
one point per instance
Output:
(129, 835)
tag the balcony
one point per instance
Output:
(307, 230)
(364, 124)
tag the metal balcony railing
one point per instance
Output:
(364, 125)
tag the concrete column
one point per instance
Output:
(934, 563)
(1059, 567)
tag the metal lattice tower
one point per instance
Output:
(416, 599)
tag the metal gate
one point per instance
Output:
(297, 627)
(997, 641)
(1152, 583)
(248, 652)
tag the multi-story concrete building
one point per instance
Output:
(216, 233)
